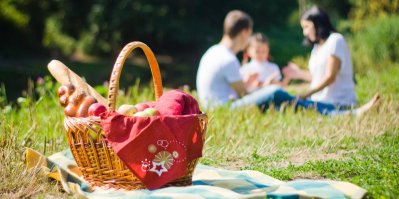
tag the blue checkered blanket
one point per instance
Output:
(208, 182)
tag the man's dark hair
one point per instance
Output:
(235, 22)
(321, 23)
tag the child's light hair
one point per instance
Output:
(259, 38)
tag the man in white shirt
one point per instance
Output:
(218, 76)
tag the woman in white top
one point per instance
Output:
(330, 72)
(330, 65)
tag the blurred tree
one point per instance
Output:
(22, 26)
(10, 13)
(377, 45)
(100, 27)
(337, 9)
(364, 10)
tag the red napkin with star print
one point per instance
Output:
(157, 149)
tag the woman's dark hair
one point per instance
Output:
(321, 23)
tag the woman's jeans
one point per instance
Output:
(275, 95)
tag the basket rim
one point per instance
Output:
(132, 116)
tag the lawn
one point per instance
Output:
(286, 146)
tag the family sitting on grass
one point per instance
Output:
(221, 80)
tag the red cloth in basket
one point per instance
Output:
(157, 149)
(177, 102)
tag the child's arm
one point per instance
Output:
(251, 82)
(272, 79)
(282, 83)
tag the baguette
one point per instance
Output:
(66, 76)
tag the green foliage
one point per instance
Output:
(3, 96)
(376, 45)
(364, 10)
(285, 44)
(185, 29)
(55, 39)
(101, 27)
(336, 9)
(9, 12)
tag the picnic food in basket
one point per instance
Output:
(96, 109)
(123, 151)
(75, 101)
(131, 110)
(147, 112)
(127, 109)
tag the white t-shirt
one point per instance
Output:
(264, 69)
(218, 68)
(342, 90)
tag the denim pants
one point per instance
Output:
(276, 95)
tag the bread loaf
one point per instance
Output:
(77, 97)
(64, 92)
(76, 102)
(63, 100)
(67, 89)
(84, 106)
(70, 110)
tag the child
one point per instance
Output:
(267, 73)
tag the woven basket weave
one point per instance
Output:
(96, 159)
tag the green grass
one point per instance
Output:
(287, 146)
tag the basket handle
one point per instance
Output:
(117, 69)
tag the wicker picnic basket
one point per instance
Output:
(96, 159)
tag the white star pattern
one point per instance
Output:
(154, 167)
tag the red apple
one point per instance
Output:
(141, 106)
(96, 109)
